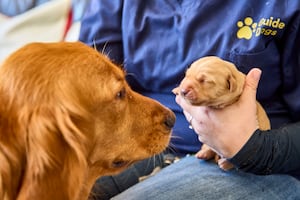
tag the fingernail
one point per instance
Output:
(256, 74)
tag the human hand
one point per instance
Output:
(226, 130)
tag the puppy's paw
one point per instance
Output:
(225, 164)
(205, 153)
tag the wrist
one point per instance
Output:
(234, 145)
(249, 150)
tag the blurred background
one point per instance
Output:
(25, 21)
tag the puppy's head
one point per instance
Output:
(68, 117)
(211, 81)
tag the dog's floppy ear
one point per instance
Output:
(232, 83)
(12, 161)
(50, 135)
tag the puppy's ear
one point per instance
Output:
(50, 136)
(231, 83)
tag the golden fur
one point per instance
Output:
(67, 116)
(211, 81)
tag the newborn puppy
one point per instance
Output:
(211, 81)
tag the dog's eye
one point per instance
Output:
(121, 94)
(119, 163)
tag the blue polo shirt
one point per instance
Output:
(157, 40)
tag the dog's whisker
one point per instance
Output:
(104, 47)
(131, 74)
(94, 44)
(176, 137)
(171, 149)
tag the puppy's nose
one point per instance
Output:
(188, 93)
(170, 120)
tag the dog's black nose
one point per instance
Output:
(170, 120)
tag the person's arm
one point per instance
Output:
(101, 28)
(269, 152)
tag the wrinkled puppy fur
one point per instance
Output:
(211, 81)
(67, 117)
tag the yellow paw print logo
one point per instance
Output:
(246, 28)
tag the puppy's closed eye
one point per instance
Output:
(204, 79)
(201, 78)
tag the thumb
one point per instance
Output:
(251, 83)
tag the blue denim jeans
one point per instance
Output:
(191, 178)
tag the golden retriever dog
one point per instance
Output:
(211, 81)
(67, 117)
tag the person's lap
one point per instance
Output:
(191, 178)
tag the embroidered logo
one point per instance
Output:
(247, 28)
